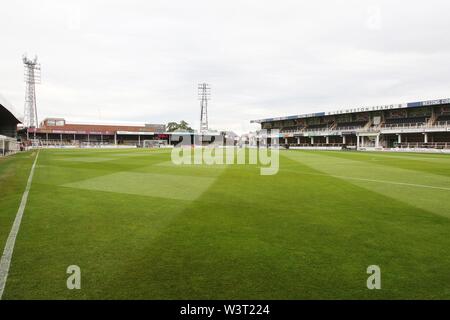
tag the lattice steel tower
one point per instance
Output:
(32, 76)
(204, 94)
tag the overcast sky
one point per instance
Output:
(140, 61)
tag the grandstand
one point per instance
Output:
(423, 125)
(57, 132)
(8, 131)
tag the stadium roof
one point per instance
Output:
(360, 109)
(10, 109)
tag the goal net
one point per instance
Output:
(154, 143)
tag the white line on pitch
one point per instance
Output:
(393, 182)
(370, 180)
(9, 247)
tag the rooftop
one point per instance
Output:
(360, 109)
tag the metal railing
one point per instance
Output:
(321, 144)
(420, 125)
(317, 129)
(324, 129)
(292, 130)
(422, 145)
(385, 126)
(349, 128)
(412, 125)
(442, 123)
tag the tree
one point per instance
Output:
(182, 126)
(172, 126)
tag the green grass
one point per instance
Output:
(140, 227)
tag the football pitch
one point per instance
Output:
(141, 227)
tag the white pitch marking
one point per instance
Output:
(5, 261)
(394, 182)
(371, 180)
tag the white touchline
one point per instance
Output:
(9, 247)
